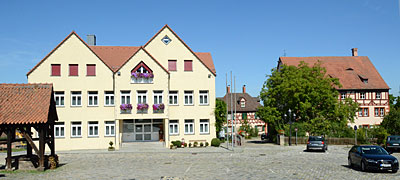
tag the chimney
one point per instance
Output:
(244, 88)
(354, 51)
(91, 40)
(228, 89)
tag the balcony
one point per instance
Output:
(142, 78)
(126, 108)
(158, 108)
(142, 108)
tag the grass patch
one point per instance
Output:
(13, 150)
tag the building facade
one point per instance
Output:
(360, 81)
(244, 108)
(162, 91)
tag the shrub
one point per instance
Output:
(215, 142)
(195, 144)
(201, 144)
(190, 144)
(380, 133)
(177, 143)
(185, 145)
(207, 144)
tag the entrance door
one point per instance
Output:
(143, 132)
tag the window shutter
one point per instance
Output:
(91, 69)
(188, 65)
(172, 65)
(56, 70)
(73, 70)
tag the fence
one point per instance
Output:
(333, 141)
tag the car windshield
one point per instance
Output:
(374, 150)
(315, 138)
(393, 138)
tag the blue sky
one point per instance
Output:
(246, 37)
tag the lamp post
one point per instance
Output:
(290, 115)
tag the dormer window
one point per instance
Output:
(242, 103)
(363, 79)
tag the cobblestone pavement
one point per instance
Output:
(252, 161)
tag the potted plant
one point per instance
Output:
(190, 145)
(111, 148)
(201, 144)
(206, 144)
(195, 144)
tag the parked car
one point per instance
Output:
(264, 137)
(392, 143)
(372, 157)
(317, 143)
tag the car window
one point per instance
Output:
(373, 150)
(393, 138)
(315, 138)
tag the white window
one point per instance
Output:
(376, 111)
(360, 112)
(141, 97)
(93, 97)
(343, 95)
(76, 98)
(93, 127)
(59, 98)
(76, 129)
(59, 129)
(158, 97)
(110, 128)
(203, 97)
(362, 95)
(173, 127)
(366, 112)
(173, 98)
(382, 111)
(378, 95)
(188, 98)
(242, 103)
(109, 98)
(189, 126)
(125, 97)
(204, 126)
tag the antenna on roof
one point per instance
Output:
(284, 52)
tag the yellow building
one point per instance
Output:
(162, 91)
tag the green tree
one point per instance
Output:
(220, 115)
(391, 122)
(310, 93)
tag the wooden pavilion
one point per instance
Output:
(23, 108)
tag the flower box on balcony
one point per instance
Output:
(142, 108)
(158, 108)
(125, 108)
(142, 77)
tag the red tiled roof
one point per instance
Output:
(114, 56)
(350, 70)
(25, 103)
(252, 103)
(207, 60)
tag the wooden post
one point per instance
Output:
(9, 149)
(28, 145)
(52, 141)
(41, 147)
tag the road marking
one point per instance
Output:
(187, 170)
(271, 170)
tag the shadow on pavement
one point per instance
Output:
(369, 171)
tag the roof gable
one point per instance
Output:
(204, 58)
(26, 103)
(350, 70)
(59, 45)
(252, 103)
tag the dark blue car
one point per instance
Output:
(372, 158)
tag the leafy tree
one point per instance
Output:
(310, 93)
(391, 122)
(220, 115)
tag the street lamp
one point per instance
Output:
(290, 115)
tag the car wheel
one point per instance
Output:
(363, 167)
(349, 162)
(394, 171)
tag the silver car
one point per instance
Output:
(317, 143)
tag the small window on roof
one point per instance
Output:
(349, 69)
